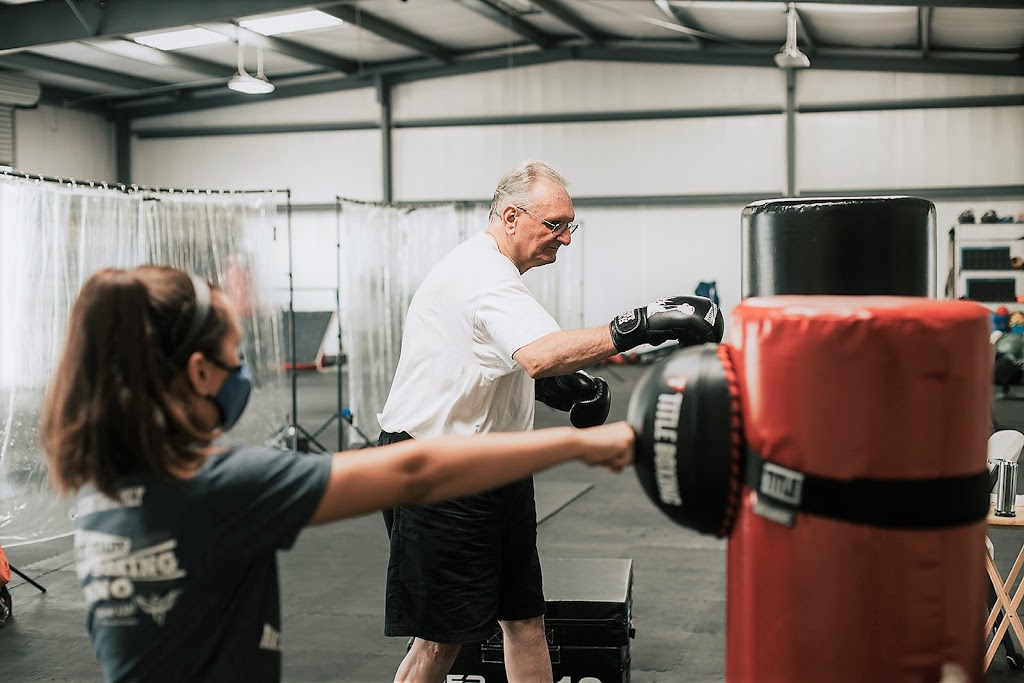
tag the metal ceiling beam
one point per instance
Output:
(48, 22)
(676, 15)
(406, 71)
(390, 31)
(29, 60)
(916, 103)
(924, 30)
(556, 9)
(167, 58)
(398, 72)
(282, 91)
(510, 21)
(989, 4)
(822, 60)
(72, 99)
(284, 47)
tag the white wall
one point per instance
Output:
(830, 87)
(64, 143)
(632, 158)
(845, 150)
(632, 253)
(316, 167)
(576, 86)
(912, 148)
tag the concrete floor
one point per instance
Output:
(332, 581)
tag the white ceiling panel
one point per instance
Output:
(965, 34)
(863, 26)
(549, 24)
(989, 29)
(443, 21)
(223, 54)
(754, 21)
(80, 53)
(353, 42)
(134, 55)
(102, 58)
(628, 19)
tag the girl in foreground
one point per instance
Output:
(176, 536)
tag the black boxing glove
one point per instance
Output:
(690, 320)
(586, 398)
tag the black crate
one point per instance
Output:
(485, 663)
(589, 624)
(992, 289)
(985, 258)
(589, 601)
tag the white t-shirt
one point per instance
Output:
(456, 374)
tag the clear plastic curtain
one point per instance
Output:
(52, 238)
(386, 253)
(234, 240)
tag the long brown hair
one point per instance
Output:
(113, 407)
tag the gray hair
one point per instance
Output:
(516, 186)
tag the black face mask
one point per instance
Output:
(234, 394)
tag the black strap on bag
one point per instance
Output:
(890, 503)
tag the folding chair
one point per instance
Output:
(1005, 444)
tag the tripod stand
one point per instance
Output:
(344, 415)
(294, 434)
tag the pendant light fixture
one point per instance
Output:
(250, 85)
(790, 56)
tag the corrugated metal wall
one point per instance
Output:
(6, 135)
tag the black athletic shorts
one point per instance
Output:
(458, 567)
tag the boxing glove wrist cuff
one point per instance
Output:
(626, 329)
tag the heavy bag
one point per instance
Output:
(857, 246)
(857, 552)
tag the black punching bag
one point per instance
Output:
(845, 246)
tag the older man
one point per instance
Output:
(477, 351)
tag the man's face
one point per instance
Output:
(536, 244)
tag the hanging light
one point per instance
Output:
(790, 56)
(245, 83)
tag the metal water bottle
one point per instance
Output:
(1006, 489)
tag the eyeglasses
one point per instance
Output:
(224, 366)
(556, 228)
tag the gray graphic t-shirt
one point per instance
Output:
(180, 577)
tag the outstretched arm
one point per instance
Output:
(430, 470)
(560, 353)
(688, 320)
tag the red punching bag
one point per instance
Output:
(857, 551)
(839, 442)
